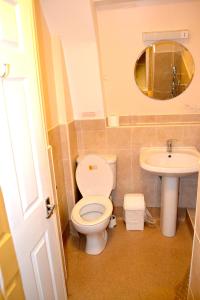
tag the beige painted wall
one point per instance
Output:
(120, 27)
(57, 101)
(75, 26)
(63, 99)
(47, 71)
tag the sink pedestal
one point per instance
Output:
(182, 161)
(169, 205)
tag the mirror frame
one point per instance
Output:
(151, 46)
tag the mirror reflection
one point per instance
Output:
(164, 70)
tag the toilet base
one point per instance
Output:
(95, 243)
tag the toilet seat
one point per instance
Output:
(94, 176)
(101, 200)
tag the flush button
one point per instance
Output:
(92, 167)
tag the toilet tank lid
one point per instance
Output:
(110, 158)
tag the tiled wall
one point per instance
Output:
(62, 138)
(126, 141)
(73, 156)
(194, 288)
(80, 137)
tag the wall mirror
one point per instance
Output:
(164, 70)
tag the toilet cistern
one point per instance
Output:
(170, 143)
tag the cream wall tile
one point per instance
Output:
(82, 152)
(70, 186)
(133, 120)
(195, 270)
(190, 118)
(77, 125)
(61, 194)
(70, 201)
(150, 187)
(72, 145)
(93, 124)
(118, 138)
(145, 182)
(167, 119)
(169, 132)
(80, 142)
(159, 119)
(172, 119)
(188, 191)
(74, 185)
(58, 141)
(125, 120)
(124, 169)
(94, 139)
(143, 136)
(67, 175)
(198, 216)
(72, 158)
(192, 135)
(143, 119)
(72, 140)
(118, 197)
(124, 173)
(55, 142)
(64, 137)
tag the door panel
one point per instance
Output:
(10, 281)
(41, 256)
(21, 137)
(24, 173)
(8, 24)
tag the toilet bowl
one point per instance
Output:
(91, 214)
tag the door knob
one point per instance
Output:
(4, 70)
(49, 208)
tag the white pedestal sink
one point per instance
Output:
(181, 161)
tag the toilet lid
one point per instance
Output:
(94, 176)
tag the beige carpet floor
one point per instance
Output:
(134, 266)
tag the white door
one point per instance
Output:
(24, 168)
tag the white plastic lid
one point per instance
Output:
(110, 158)
(134, 202)
(94, 176)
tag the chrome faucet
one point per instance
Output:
(170, 144)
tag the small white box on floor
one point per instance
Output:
(134, 207)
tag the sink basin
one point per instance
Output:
(181, 161)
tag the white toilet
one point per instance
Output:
(96, 178)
